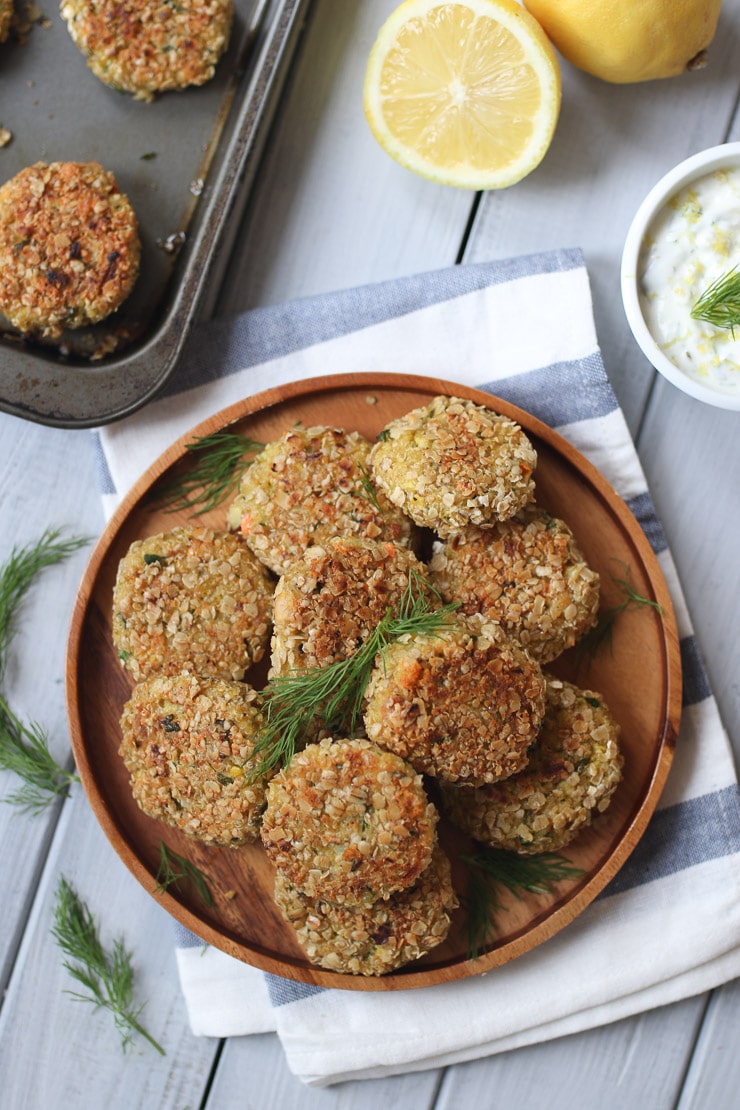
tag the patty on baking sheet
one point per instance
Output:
(146, 47)
(192, 599)
(349, 822)
(453, 463)
(574, 768)
(464, 704)
(69, 247)
(526, 573)
(187, 743)
(378, 938)
(331, 600)
(307, 487)
(6, 16)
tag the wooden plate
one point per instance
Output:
(640, 680)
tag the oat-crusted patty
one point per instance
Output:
(330, 601)
(6, 16)
(375, 939)
(528, 574)
(574, 768)
(187, 744)
(150, 46)
(191, 600)
(309, 486)
(349, 822)
(454, 463)
(464, 704)
(69, 247)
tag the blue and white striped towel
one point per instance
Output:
(627, 952)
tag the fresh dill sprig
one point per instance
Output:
(221, 458)
(335, 692)
(369, 490)
(24, 750)
(108, 978)
(719, 304)
(18, 572)
(177, 871)
(601, 635)
(492, 869)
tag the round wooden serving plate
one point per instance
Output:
(639, 678)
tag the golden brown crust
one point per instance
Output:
(349, 822)
(69, 247)
(150, 46)
(462, 705)
(187, 743)
(526, 573)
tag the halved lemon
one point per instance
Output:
(466, 93)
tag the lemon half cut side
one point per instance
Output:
(465, 93)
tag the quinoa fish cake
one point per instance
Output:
(526, 573)
(453, 463)
(309, 486)
(69, 247)
(379, 938)
(349, 822)
(192, 599)
(329, 602)
(146, 47)
(574, 768)
(187, 743)
(462, 705)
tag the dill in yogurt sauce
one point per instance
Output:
(692, 242)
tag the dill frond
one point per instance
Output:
(335, 692)
(177, 871)
(214, 476)
(107, 978)
(24, 750)
(601, 635)
(369, 490)
(18, 573)
(720, 303)
(492, 869)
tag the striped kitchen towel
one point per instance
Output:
(624, 953)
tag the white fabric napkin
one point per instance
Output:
(668, 925)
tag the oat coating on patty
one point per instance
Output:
(146, 47)
(192, 599)
(453, 463)
(376, 939)
(528, 574)
(69, 247)
(330, 601)
(306, 488)
(462, 705)
(349, 822)
(574, 768)
(187, 743)
(6, 17)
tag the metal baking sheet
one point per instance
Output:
(185, 161)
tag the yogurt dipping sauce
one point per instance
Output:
(692, 241)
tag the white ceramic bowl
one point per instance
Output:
(706, 161)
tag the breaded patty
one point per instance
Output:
(191, 600)
(574, 768)
(307, 487)
(349, 822)
(330, 601)
(464, 704)
(6, 16)
(187, 744)
(375, 939)
(69, 247)
(453, 463)
(150, 46)
(528, 574)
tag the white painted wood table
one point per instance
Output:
(330, 210)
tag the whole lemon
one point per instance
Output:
(630, 40)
